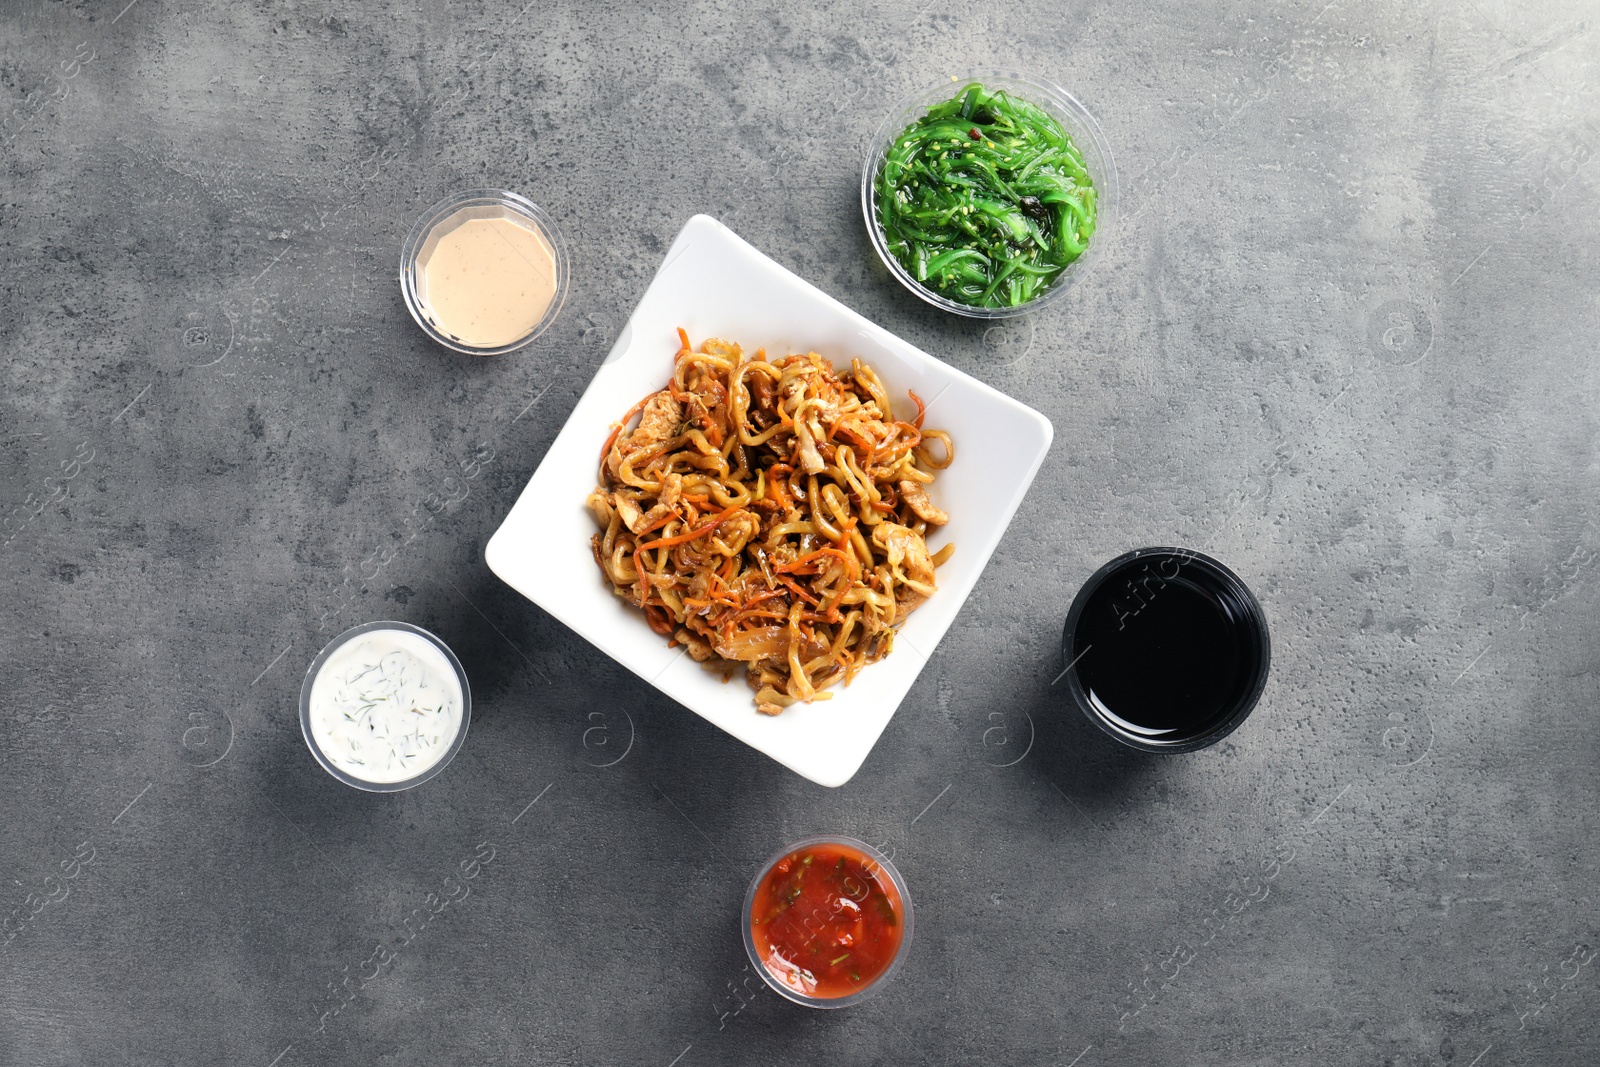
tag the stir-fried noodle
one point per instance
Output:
(771, 514)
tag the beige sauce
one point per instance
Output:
(486, 282)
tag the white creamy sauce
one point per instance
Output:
(486, 281)
(386, 706)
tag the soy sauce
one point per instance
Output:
(1168, 649)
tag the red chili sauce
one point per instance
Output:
(826, 921)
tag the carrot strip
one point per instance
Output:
(922, 409)
(856, 439)
(662, 521)
(693, 603)
(829, 615)
(797, 591)
(765, 595)
(855, 566)
(775, 484)
(699, 531)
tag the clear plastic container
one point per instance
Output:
(879, 864)
(311, 678)
(1065, 108)
(479, 204)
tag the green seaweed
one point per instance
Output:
(985, 200)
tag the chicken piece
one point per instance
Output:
(699, 648)
(671, 490)
(908, 601)
(763, 401)
(658, 422)
(653, 517)
(916, 498)
(628, 511)
(908, 559)
(600, 504)
(769, 701)
(907, 552)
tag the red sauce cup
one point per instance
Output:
(827, 921)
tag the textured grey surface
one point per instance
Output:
(1343, 338)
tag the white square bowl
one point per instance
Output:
(713, 284)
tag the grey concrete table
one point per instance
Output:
(1343, 338)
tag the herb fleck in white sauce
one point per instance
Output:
(386, 706)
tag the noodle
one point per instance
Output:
(771, 515)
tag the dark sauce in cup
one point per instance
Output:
(1167, 649)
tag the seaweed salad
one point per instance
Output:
(985, 199)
